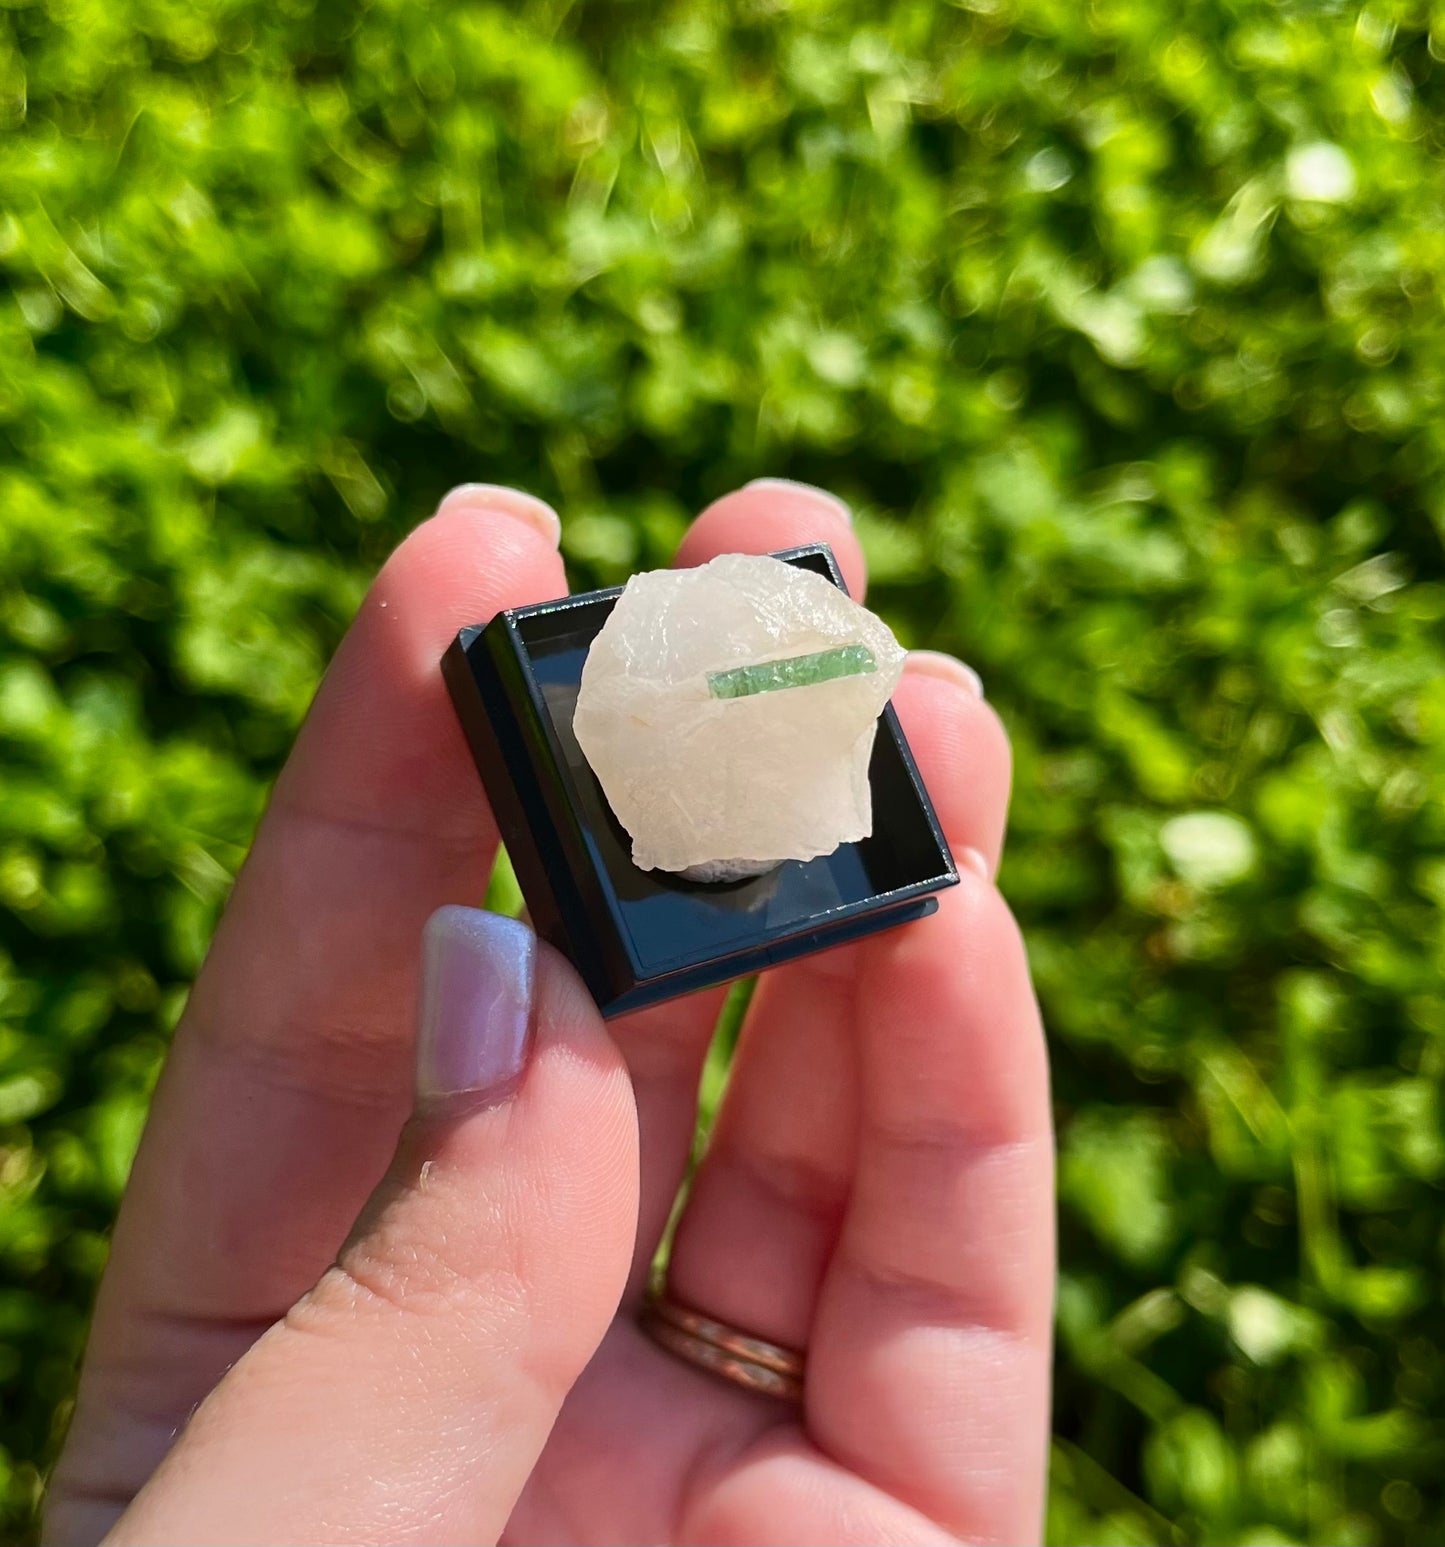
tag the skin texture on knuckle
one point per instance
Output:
(939, 965)
(783, 1472)
(575, 1172)
(507, 1230)
(944, 988)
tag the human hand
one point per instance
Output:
(328, 1317)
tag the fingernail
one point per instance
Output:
(936, 664)
(511, 502)
(808, 491)
(476, 1005)
(973, 860)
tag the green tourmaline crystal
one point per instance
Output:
(797, 671)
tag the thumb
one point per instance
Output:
(408, 1395)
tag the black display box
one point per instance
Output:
(641, 936)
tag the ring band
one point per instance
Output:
(747, 1361)
(755, 1350)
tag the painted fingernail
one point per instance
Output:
(510, 502)
(936, 664)
(478, 971)
(819, 497)
(973, 859)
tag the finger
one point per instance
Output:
(928, 1368)
(765, 1205)
(757, 1257)
(665, 1047)
(771, 514)
(408, 1396)
(764, 1209)
(783, 1491)
(289, 1077)
(961, 740)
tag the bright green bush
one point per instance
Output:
(1121, 326)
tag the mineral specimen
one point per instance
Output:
(728, 712)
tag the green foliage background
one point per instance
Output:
(1119, 324)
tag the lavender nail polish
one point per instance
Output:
(474, 1034)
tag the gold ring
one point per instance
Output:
(738, 1356)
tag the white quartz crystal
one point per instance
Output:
(715, 786)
